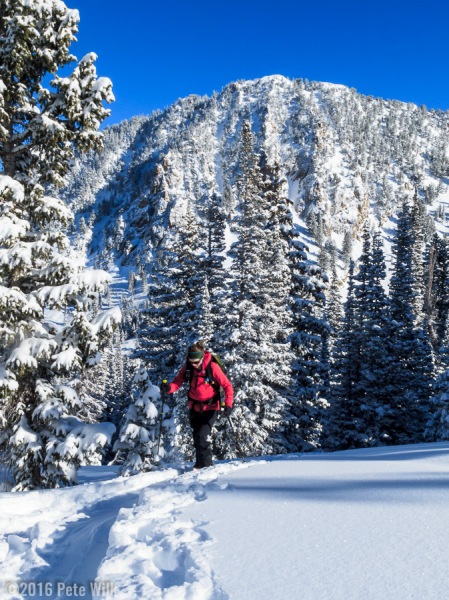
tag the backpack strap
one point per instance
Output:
(209, 375)
(210, 379)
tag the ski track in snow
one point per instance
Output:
(75, 554)
(62, 535)
(153, 553)
(122, 533)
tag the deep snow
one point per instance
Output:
(367, 523)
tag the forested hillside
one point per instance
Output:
(298, 228)
(343, 156)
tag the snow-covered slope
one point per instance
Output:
(346, 158)
(366, 523)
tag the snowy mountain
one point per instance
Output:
(346, 158)
(239, 214)
(362, 523)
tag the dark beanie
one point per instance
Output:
(196, 354)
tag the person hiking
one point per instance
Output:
(205, 379)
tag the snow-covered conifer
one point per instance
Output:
(436, 295)
(40, 128)
(334, 306)
(343, 427)
(437, 428)
(418, 218)
(257, 356)
(160, 335)
(411, 360)
(191, 279)
(372, 388)
(310, 330)
(218, 281)
(139, 434)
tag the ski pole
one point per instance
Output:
(161, 416)
(236, 441)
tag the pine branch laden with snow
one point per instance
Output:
(48, 329)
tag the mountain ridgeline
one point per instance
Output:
(345, 158)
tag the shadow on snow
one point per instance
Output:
(74, 555)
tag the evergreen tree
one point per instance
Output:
(42, 126)
(191, 280)
(160, 336)
(347, 247)
(139, 434)
(162, 346)
(256, 354)
(418, 218)
(371, 333)
(309, 338)
(91, 388)
(436, 295)
(131, 282)
(218, 280)
(116, 377)
(437, 429)
(344, 427)
(359, 389)
(334, 304)
(40, 129)
(276, 285)
(411, 370)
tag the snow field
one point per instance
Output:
(369, 524)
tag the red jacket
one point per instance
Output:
(201, 391)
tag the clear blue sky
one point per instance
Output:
(156, 51)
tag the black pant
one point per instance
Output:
(202, 423)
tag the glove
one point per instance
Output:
(165, 386)
(227, 411)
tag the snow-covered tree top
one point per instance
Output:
(40, 125)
